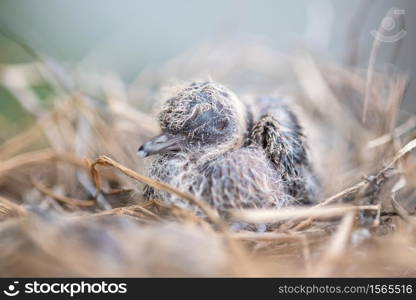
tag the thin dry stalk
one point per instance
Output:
(127, 210)
(9, 208)
(398, 132)
(39, 157)
(67, 200)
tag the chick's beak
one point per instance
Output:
(161, 143)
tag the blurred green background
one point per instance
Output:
(126, 37)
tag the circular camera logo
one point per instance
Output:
(11, 289)
(388, 26)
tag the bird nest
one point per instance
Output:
(71, 186)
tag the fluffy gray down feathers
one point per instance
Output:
(233, 158)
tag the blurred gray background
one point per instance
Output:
(126, 36)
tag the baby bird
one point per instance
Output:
(229, 154)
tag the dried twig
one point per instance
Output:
(269, 216)
(9, 208)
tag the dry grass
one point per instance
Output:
(70, 185)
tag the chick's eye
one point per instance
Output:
(221, 124)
